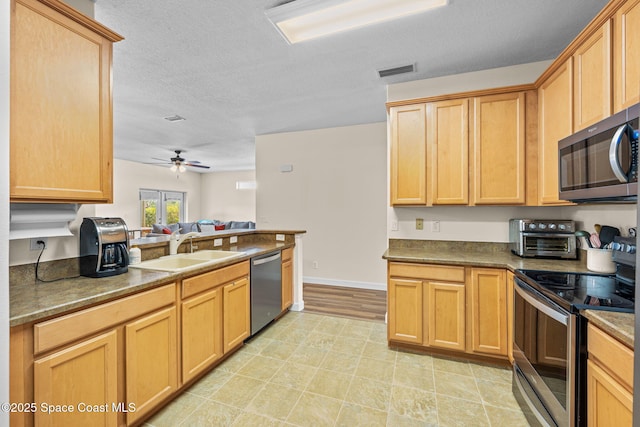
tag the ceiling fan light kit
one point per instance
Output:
(302, 20)
(178, 163)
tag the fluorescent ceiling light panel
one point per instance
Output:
(302, 20)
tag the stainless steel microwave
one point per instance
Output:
(600, 163)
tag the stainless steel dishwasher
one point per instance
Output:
(266, 290)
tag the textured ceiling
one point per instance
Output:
(223, 66)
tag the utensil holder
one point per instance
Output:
(600, 260)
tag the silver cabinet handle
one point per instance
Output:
(614, 160)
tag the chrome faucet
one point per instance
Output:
(177, 239)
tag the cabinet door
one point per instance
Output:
(201, 332)
(592, 79)
(445, 315)
(488, 311)
(608, 403)
(510, 278)
(408, 155)
(287, 284)
(404, 311)
(555, 106)
(626, 54)
(499, 149)
(83, 374)
(236, 313)
(151, 361)
(448, 142)
(61, 116)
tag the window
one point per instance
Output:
(161, 207)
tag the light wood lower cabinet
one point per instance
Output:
(609, 380)
(236, 313)
(201, 332)
(449, 307)
(82, 374)
(445, 315)
(287, 278)
(151, 361)
(487, 308)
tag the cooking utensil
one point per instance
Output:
(598, 228)
(595, 241)
(607, 233)
(585, 235)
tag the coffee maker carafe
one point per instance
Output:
(104, 247)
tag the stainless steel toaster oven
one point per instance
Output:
(542, 238)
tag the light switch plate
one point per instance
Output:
(233, 239)
(280, 237)
(217, 242)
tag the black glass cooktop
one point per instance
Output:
(575, 291)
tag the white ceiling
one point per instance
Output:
(223, 66)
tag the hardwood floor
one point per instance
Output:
(346, 302)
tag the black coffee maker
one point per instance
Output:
(104, 247)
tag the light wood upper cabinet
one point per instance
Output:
(498, 150)
(555, 109)
(408, 155)
(85, 373)
(236, 313)
(592, 86)
(448, 158)
(626, 54)
(487, 307)
(61, 105)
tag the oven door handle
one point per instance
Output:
(542, 306)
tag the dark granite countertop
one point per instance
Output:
(31, 301)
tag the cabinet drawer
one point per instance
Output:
(426, 271)
(287, 254)
(196, 284)
(614, 356)
(55, 332)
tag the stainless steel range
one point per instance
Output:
(549, 346)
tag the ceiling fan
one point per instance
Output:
(178, 163)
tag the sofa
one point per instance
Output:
(201, 226)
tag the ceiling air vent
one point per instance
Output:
(396, 70)
(175, 118)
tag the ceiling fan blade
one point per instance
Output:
(196, 166)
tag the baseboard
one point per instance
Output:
(345, 283)
(297, 306)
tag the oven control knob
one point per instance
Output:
(542, 226)
(532, 226)
(562, 227)
(552, 226)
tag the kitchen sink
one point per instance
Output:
(184, 262)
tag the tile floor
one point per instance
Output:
(316, 370)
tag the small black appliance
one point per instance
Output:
(104, 247)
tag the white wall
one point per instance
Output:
(129, 177)
(221, 200)
(336, 192)
(4, 207)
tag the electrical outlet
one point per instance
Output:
(435, 226)
(233, 239)
(419, 224)
(315, 264)
(35, 246)
(217, 242)
(280, 237)
(394, 225)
